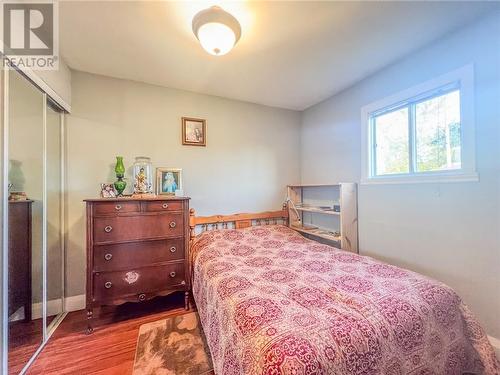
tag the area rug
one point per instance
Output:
(174, 346)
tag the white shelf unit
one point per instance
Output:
(311, 212)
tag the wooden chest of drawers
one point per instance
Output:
(137, 249)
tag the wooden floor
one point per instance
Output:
(25, 338)
(111, 348)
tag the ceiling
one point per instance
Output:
(291, 54)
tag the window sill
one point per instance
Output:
(424, 178)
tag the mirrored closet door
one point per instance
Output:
(25, 213)
(35, 245)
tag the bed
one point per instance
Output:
(273, 302)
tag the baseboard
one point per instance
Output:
(496, 345)
(73, 303)
(54, 307)
(17, 315)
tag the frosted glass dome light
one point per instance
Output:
(216, 38)
(217, 30)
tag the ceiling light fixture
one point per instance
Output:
(217, 30)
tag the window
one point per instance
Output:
(424, 134)
(420, 136)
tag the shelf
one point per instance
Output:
(314, 232)
(313, 185)
(308, 203)
(318, 210)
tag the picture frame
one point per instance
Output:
(168, 180)
(108, 191)
(194, 131)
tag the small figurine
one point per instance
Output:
(141, 185)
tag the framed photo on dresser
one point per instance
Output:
(168, 180)
(194, 131)
(108, 191)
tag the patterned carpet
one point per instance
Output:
(174, 346)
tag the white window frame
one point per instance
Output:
(462, 79)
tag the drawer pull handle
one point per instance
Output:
(108, 256)
(108, 284)
(142, 297)
(108, 228)
(172, 274)
(165, 205)
(118, 207)
(173, 249)
(172, 224)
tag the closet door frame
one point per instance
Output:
(4, 155)
(62, 214)
(4, 218)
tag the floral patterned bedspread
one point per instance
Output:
(273, 302)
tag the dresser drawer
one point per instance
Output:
(155, 206)
(113, 285)
(137, 254)
(105, 208)
(126, 228)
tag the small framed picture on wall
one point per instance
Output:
(168, 180)
(194, 131)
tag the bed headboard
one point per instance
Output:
(238, 221)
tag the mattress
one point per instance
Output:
(273, 302)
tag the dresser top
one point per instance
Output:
(130, 199)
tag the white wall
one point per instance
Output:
(252, 151)
(447, 231)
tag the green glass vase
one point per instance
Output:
(120, 174)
